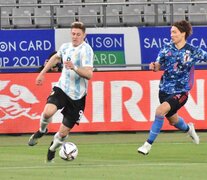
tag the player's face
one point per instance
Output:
(176, 35)
(77, 36)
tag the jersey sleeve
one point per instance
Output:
(59, 52)
(201, 55)
(161, 55)
(62, 50)
(87, 56)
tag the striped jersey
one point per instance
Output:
(178, 67)
(70, 82)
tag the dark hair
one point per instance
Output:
(184, 26)
(78, 25)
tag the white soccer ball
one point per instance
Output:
(68, 151)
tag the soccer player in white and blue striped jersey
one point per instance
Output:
(69, 94)
(177, 58)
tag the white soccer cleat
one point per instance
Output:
(145, 148)
(192, 133)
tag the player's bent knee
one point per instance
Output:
(47, 115)
(159, 112)
(172, 123)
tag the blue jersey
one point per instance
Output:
(178, 67)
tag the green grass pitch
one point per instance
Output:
(107, 156)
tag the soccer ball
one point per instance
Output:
(68, 151)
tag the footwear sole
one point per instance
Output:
(32, 142)
(194, 141)
(142, 153)
(51, 161)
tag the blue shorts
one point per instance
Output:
(72, 110)
(176, 101)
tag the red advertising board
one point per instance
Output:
(116, 101)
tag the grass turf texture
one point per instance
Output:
(106, 156)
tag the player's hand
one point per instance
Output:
(152, 66)
(69, 65)
(39, 80)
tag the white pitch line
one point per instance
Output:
(100, 165)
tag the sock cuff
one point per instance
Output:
(57, 141)
(57, 135)
(180, 118)
(158, 117)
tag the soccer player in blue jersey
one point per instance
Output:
(177, 58)
(69, 94)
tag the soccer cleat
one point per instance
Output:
(192, 133)
(145, 148)
(33, 140)
(50, 154)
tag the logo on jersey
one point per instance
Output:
(187, 56)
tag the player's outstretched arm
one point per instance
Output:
(52, 61)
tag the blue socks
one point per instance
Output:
(181, 125)
(155, 129)
(157, 126)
